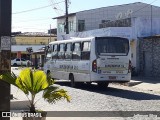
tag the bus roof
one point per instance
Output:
(72, 40)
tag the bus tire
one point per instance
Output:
(103, 84)
(71, 78)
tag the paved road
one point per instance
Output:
(91, 98)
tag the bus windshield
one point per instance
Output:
(112, 46)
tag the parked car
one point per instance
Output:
(20, 62)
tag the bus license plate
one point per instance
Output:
(112, 77)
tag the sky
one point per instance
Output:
(36, 15)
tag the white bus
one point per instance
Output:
(94, 59)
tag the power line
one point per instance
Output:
(55, 7)
(64, 1)
(37, 8)
(58, 5)
(144, 6)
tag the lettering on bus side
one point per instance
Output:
(70, 67)
(113, 66)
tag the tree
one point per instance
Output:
(31, 82)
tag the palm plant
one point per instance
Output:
(31, 82)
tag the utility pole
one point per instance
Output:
(66, 25)
(5, 53)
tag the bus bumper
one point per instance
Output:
(110, 77)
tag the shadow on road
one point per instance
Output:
(113, 91)
(153, 80)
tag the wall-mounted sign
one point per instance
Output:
(5, 43)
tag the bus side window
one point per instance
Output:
(76, 54)
(55, 52)
(61, 51)
(85, 54)
(68, 53)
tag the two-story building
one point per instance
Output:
(133, 21)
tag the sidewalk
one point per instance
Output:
(145, 83)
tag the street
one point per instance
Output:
(91, 98)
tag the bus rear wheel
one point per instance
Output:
(103, 84)
(71, 78)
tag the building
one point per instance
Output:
(133, 21)
(113, 16)
(52, 31)
(34, 41)
(149, 54)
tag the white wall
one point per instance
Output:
(112, 31)
(146, 26)
(22, 48)
(94, 17)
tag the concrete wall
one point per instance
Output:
(149, 56)
(94, 17)
(125, 32)
(143, 27)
